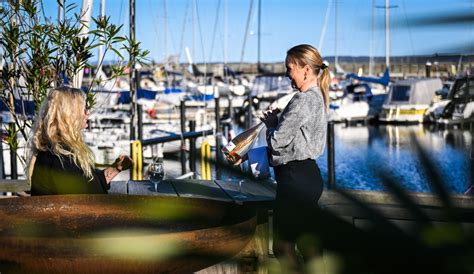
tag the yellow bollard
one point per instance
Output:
(205, 163)
(136, 151)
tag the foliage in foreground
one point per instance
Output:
(406, 238)
(38, 53)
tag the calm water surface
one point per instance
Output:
(363, 152)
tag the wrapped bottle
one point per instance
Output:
(241, 144)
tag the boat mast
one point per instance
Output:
(372, 42)
(100, 54)
(387, 33)
(193, 24)
(225, 32)
(336, 57)
(387, 8)
(86, 11)
(165, 26)
(247, 26)
(325, 24)
(60, 11)
(259, 34)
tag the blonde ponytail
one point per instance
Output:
(324, 80)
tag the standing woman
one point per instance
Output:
(61, 161)
(295, 140)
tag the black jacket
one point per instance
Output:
(51, 177)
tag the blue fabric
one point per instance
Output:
(29, 107)
(384, 80)
(173, 90)
(141, 93)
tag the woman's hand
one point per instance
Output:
(238, 162)
(270, 118)
(241, 160)
(123, 162)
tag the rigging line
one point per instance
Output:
(352, 33)
(120, 10)
(372, 40)
(44, 14)
(183, 30)
(120, 23)
(167, 28)
(214, 30)
(246, 34)
(225, 59)
(325, 24)
(202, 42)
(155, 22)
(107, 79)
(193, 28)
(165, 32)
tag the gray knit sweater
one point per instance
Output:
(301, 130)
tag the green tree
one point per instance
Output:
(37, 53)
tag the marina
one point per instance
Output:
(135, 139)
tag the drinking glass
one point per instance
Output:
(156, 172)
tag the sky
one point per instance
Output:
(167, 27)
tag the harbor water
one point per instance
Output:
(364, 153)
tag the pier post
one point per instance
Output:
(225, 130)
(428, 69)
(248, 119)
(331, 162)
(182, 108)
(140, 121)
(230, 109)
(192, 149)
(13, 166)
(2, 162)
(218, 134)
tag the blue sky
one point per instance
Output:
(285, 23)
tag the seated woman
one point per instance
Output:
(61, 162)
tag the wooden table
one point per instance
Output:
(261, 191)
(258, 195)
(222, 190)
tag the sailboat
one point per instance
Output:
(362, 96)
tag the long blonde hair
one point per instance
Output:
(58, 128)
(302, 55)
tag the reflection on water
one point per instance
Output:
(361, 152)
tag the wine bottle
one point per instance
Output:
(241, 144)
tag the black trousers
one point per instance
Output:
(299, 187)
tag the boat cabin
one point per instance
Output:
(461, 104)
(408, 100)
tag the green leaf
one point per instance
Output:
(117, 52)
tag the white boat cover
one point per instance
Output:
(413, 92)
